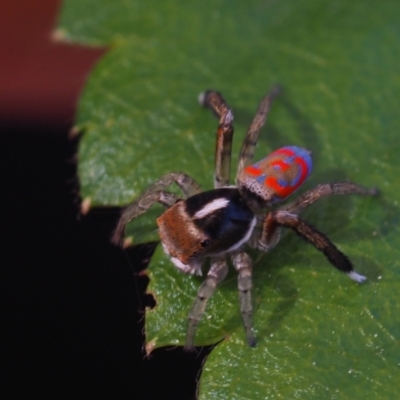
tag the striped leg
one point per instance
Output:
(337, 188)
(251, 138)
(214, 101)
(216, 274)
(243, 264)
(154, 193)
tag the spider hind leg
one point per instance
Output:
(327, 189)
(320, 241)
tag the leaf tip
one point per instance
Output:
(127, 242)
(59, 35)
(150, 346)
(86, 205)
(74, 132)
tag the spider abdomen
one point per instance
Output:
(278, 175)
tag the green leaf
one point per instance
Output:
(319, 334)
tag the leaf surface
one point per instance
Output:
(319, 334)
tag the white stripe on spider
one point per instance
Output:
(212, 206)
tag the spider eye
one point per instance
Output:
(205, 243)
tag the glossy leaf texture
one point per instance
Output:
(320, 335)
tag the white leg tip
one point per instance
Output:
(201, 98)
(356, 277)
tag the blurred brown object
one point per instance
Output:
(40, 79)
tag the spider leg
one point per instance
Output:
(327, 189)
(140, 206)
(251, 138)
(270, 235)
(216, 274)
(243, 264)
(223, 147)
(271, 231)
(154, 193)
(319, 240)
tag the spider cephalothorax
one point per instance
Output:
(217, 224)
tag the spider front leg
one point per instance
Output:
(317, 239)
(154, 193)
(243, 264)
(216, 274)
(223, 147)
(327, 189)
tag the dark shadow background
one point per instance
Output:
(73, 320)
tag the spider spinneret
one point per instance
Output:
(217, 224)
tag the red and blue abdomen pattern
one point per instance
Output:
(279, 174)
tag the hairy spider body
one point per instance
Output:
(217, 224)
